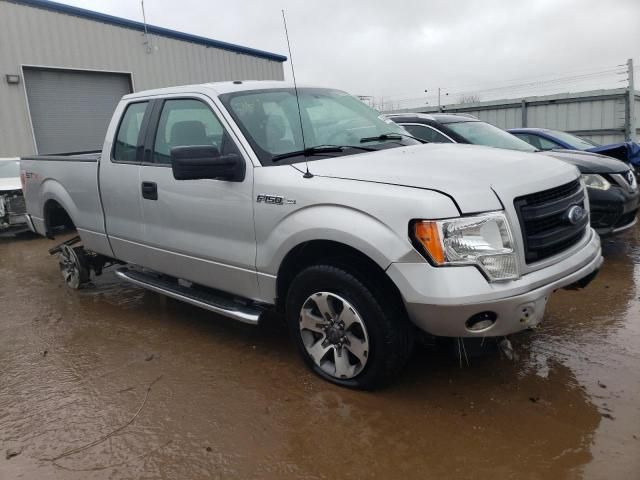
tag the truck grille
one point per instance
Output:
(546, 229)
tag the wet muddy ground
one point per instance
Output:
(117, 382)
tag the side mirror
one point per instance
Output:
(196, 162)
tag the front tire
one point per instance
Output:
(346, 332)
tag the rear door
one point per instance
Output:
(119, 180)
(198, 230)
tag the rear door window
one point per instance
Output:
(540, 143)
(546, 144)
(128, 139)
(423, 132)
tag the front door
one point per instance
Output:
(198, 230)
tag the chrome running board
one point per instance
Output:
(208, 299)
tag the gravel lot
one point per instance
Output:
(116, 382)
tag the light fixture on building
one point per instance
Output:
(13, 79)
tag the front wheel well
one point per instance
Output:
(56, 218)
(327, 252)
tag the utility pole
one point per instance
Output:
(631, 103)
(439, 106)
(146, 34)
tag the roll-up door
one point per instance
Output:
(70, 109)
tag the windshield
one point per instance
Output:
(575, 142)
(481, 133)
(9, 169)
(270, 121)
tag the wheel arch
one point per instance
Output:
(55, 215)
(58, 208)
(330, 252)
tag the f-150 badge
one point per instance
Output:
(274, 200)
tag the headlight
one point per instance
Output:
(593, 180)
(481, 240)
(631, 178)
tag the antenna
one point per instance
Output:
(146, 34)
(307, 174)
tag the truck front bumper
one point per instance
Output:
(446, 301)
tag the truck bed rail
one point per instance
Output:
(67, 157)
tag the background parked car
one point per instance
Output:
(12, 207)
(545, 139)
(613, 190)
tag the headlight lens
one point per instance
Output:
(481, 240)
(593, 180)
(633, 181)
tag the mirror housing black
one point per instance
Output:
(196, 162)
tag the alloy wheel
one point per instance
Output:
(334, 335)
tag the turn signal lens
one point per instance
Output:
(429, 237)
(483, 240)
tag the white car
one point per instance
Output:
(12, 207)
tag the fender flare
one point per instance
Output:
(382, 244)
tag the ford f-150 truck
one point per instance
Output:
(243, 197)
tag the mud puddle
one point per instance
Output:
(115, 382)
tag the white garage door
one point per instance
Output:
(70, 110)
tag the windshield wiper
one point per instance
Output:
(318, 150)
(390, 136)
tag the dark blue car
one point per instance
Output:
(545, 139)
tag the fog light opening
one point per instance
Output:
(481, 321)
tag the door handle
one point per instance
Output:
(150, 190)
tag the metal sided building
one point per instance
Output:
(603, 116)
(63, 70)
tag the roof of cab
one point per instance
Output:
(529, 129)
(217, 88)
(443, 118)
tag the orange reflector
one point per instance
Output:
(427, 234)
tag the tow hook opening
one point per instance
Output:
(481, 321)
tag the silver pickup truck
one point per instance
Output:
(242, 197)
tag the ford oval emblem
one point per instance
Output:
(575, 214)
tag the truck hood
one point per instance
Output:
(588, 162)
(11, 183)
(473, 176)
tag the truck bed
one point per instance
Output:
(69, 181)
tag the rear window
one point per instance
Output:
(128, 137)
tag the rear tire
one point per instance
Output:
(346, 332)
(73, 266)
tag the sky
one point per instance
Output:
(395, 50)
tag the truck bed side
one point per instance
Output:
(70, 183)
